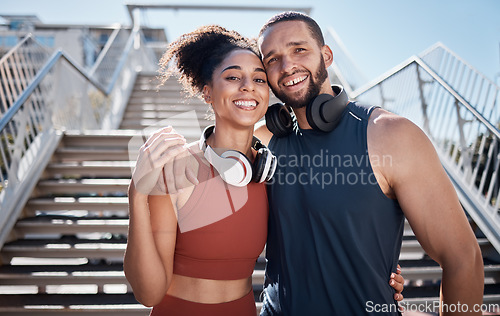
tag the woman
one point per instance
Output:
(193, 252)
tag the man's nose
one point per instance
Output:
(287, 65)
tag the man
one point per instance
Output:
(344, 227)
(338, 199)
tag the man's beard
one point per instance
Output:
(313, 89)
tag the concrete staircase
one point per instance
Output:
(423, 275)
(151, 107)
(66, 251)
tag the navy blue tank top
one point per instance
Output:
(334, 237)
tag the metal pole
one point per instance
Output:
(131, 7)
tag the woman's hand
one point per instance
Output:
(158, 150)
(397, 282)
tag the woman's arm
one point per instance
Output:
(153, 225)
(148, 261)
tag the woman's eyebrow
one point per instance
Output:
(258, 69)
(231, 67)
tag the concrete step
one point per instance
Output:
(66, 225)
(188, 131)
(152, 86)
(153, 81)
(80, 154)
(175, 123)
(71, 304)
(164, 105)
(94, 205)
(83, 186)
(111, 249)
(89, 169)
(199, 117)
(80, 310)
(411, 248)
(152, 92)
(150, 83)
(427, 269)
(98, 139)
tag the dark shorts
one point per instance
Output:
(174, 306)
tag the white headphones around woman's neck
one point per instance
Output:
(234, 167)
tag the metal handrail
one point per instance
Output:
(176, 7)
(35, 115)
(14, 70)
(345, 69)
(414, 59)
(493, 129)
(104, 51)
(482, 92)
(466, 141)
(7, 117)
(123, 58)
(440, 45)
(16, 47)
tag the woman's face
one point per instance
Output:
(239, 92)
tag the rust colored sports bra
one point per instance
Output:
(222, 229)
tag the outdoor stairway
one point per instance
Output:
(423, 275)
(67, 249)
(65, 253)
(151, 107)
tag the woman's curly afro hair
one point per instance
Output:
(195, 55)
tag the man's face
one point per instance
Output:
(294, 63)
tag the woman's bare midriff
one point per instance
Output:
(208, 291)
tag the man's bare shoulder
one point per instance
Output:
(388, 127)
(403, 140)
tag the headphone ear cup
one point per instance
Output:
(325, 111)
(233, 167)
(272, 167)
(240, 171)
(262, 165)
(314, 113)
(279, 120)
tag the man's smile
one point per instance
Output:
(295, 81)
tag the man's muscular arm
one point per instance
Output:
(429, 201)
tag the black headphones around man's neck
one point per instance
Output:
(323, 113)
